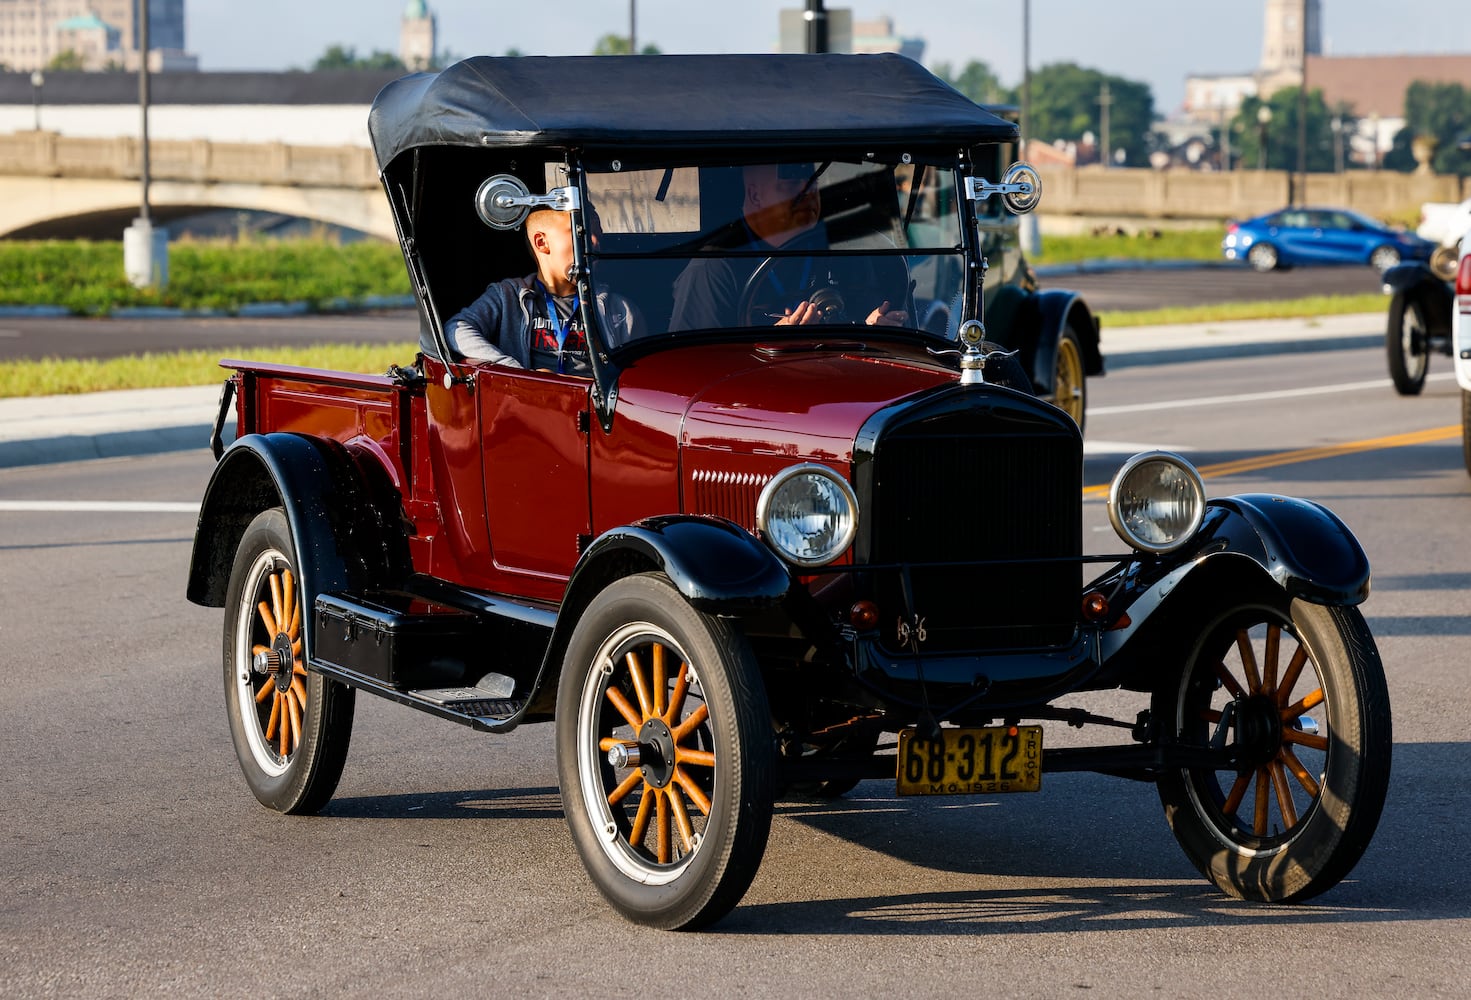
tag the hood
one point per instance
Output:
(797, 399)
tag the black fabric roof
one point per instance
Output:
(710, 101)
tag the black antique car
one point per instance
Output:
(744, 558)
(1421, 303)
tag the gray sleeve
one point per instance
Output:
(469, 331)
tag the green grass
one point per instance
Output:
(1168, 244)
(1224, 312)
(87, 278)
(53, 376)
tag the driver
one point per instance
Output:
(782, 210)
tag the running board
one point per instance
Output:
(491, 715)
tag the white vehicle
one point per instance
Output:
(1461, 342)
(1443, 223)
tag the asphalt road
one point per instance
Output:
(138, 863)
(76, 337)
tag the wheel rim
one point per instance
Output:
(650, 817)
(1271, 681)
(272, 701)
(1068, 379)
(1263, 256)
(1412, 343)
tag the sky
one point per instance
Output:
(1158, 42)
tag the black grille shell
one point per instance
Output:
(965, 477)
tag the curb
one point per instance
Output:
(250, 310)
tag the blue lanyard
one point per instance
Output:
(559, 325)
(801, 282)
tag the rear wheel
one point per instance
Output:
(1383, 258)
(1466, 429)
(665, 754)
(1302, 698)
(291, 728)
(1407, 344)
(1262, 257)
(1069, 384)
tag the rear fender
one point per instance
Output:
(341, 513)
(1250, 548)
(719, 567)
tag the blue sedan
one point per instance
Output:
(1320, 236)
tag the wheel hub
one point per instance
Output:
(284, 660)
(656, 746)
(1258, 731)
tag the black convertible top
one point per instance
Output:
(738, 102)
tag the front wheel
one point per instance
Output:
(665, 754)
(1263, 258)
(1302, 698)
(291, 728)
(1407, 344)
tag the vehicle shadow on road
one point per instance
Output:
(1092, 828)
(469, 804)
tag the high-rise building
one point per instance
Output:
(416, 36)
(1289, 26)
(101, 34)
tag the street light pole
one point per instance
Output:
(145, 249)
(632, 27)
(1263, 119)
(37, 81)
(816, 18)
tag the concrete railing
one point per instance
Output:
(47, 154)
(1143, 194)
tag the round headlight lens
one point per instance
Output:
(1156, 501)
(808, 513)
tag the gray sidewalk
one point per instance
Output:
(44, 429)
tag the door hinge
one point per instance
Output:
(583, 541)
(584, 421)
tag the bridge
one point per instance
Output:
(56, 186)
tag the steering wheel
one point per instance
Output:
(834, 282)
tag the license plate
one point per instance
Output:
(985, 761)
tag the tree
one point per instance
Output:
(617, 45)
(1065, 104)
(977, 82)
(1280, 131)
(1441, 110)
(346, 57)
(66, 59)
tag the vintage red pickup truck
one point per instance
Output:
(740, 559)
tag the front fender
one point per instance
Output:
(337, 511)
(1251, 548)
(719, 567)
(1056, 311)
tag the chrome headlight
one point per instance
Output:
(1156, 502)
(808, 513)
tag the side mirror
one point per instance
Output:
(1020, 188)
(503, 201)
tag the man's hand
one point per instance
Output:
(803, 314)
(884, 316)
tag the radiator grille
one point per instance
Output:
(971, 487)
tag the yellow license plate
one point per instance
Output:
(984, 761)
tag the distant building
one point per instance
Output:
(103, 34)
(844, 34)
(416, 36)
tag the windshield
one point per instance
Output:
(780, 244)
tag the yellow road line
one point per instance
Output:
(1311, 454)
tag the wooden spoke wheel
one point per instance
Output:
(665, 756)
(291, 727)
(1069, 385)
(1302, 699)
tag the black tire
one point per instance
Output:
(1263, 257)
(1069, 381)
(682, 852)
(1407, 344)
(1301, 816)
(1383, 258)
(291, 728)
(1466, 429)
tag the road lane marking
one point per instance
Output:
(1252, 397)
(100, 506)
(1431, 436)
